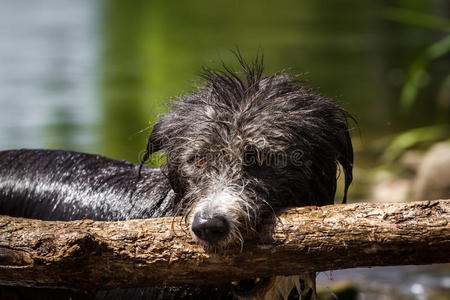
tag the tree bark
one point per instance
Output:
(92, 255)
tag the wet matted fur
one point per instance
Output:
(265, 143)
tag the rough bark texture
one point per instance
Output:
(89, 255)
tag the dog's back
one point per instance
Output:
(65, 185)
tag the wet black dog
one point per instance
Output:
(238, 149)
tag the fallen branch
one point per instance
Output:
(91, 255)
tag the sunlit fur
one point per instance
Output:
(245, 145)
(281, 287)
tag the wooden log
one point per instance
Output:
(92, 255)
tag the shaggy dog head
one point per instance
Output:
(245, 145)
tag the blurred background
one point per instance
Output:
(92, 76)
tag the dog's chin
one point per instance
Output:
(251, 288)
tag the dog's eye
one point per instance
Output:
(198, 162)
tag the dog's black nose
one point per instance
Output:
(210, 229)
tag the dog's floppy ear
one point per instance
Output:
(346, 161)
(154, 144)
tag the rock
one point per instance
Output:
(410, 161)
(391, 189)
(433, 174)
